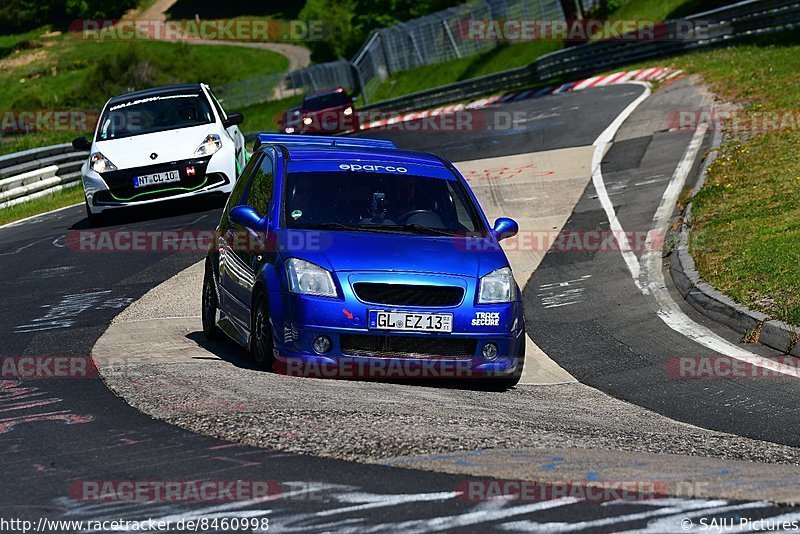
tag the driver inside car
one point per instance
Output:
(404, 200)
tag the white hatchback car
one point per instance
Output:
(160, 144)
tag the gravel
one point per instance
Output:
(376, 421)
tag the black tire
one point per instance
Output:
(210, 304)
(502, 383)
(261, 334)
(95, 219)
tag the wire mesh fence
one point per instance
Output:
(435, 38)
(250, 91)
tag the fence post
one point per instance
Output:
(359, 82)
(452, 40)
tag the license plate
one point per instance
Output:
(157, 178)
(416, 322)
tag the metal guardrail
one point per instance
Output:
(711, 28)
(38, 172)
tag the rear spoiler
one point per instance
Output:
(320, 140)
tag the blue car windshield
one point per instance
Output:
(368, 201)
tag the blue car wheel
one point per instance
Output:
(261, 338)
(210, 304)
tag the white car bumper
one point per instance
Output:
(198, 176)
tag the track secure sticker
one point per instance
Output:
(486, 319)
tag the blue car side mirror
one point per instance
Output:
(505, 228)
(245, 216)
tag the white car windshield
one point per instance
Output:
(154, 114)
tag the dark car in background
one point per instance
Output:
(328, 112)
(290, 122)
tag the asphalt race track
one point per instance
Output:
(58, 301)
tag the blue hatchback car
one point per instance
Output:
(348, 257)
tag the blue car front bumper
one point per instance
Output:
(358, 350)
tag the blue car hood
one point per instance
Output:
(368, 251)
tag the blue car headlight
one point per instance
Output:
(307, 278)
(497, 287)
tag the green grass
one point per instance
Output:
(62, 73)
(760, 76)
(142, 5)
(501, 58)
(20, 142)
(746, 226)
(508, 56)
(68, 73)
(264, 117)
(659, 10)
(646, 10)
(12, 43)
(213, 9)
(65, 197)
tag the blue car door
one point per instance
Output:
(234, 272)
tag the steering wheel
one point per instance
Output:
(407, 215)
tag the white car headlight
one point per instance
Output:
(210, 144)
(306, 278)
(99, 163)
(496, 287)
(348, 111)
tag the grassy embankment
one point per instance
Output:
(51, 71)
(746, 219)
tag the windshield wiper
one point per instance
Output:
(413, 228)
(419, 229)
(331, 226)
(349, 227)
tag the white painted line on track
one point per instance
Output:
(601, 144)
(453, 522)
(671, 522)
(648, 275)
(675, 506)
(652, 276)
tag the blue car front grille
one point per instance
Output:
(408, 294)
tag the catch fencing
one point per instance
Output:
(718, 27)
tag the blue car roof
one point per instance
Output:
(314, 153)
(288, 140)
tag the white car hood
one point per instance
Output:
(170, 145)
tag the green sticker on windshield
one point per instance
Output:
(296, 214)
